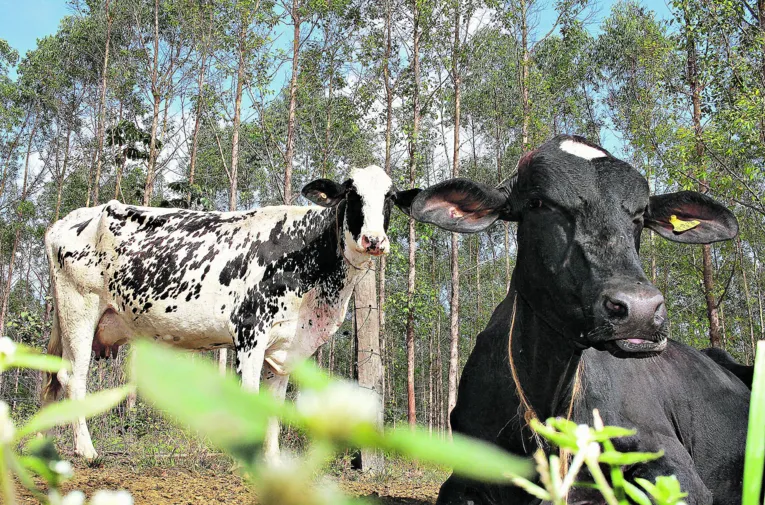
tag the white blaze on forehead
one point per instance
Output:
(581, 150)
(372, 184)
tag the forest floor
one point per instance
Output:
(181, 486)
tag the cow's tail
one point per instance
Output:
(51, 385)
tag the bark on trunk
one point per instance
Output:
(223, 353)
(750, 316)
(715, 336)
(102, 107)
(148, 189)
(388, 133)
(289, 153)
(121, 160)
(413, 154)
(199, 109)
(525, 77)
(454, 326)
(17, 237)
(761, 23)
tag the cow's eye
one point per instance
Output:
(535, 203)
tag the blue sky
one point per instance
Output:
(22, 22)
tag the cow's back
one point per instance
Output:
(680, 394)
(171, 273)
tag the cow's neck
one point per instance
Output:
(347, 265)
(545, 361)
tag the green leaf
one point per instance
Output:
(636, 494)
(755, 440)
(466, 456)
(628, 458)
(563, 440)
(66, 411)
(309, 375)
(43, 362)
(609, 432)
(197, 396)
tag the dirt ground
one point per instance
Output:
(173, 486)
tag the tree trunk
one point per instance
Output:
(454, 327)
(328, 122)
(750, 316)
(715, 337)
(525, 76)
(232, 192)
(199, 109)
(368, 356)
(413, 155)
(11, 149)
(60, 181)
(289, 154)
(197, 126)
(761, 23)
(157, 98)
(388, 133)
(17, 238)
(759, 304)
(121, 160)
(102, 107)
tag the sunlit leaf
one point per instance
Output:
(197, 396)
(56, 414)
(467, 457)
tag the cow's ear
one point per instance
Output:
(324, 192)
(404, 199)
(459, 205)
(690, 217)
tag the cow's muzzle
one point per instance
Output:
(374, 245)
(631, 319)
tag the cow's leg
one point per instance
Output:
(78, 318)
(249, 363)
(276, 385)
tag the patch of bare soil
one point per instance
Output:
(169, 486)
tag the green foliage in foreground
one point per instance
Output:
(335, 415)
(41, 458)
(755, 440)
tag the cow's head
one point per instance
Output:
(367, 197)
(580, 214)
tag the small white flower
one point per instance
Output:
(7, 347)
(339, 408)
(7, 429)
(583, 435)
(104, 497)
(74, 498)
(592, 453)
(62, 468)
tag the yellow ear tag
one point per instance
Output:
(323, 196)
(680, 226)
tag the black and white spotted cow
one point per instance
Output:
(273, 282)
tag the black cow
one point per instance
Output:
(578, 289)
(725, 360)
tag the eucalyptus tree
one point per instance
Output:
(162, 48)
(637, 63)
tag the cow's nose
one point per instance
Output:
(373, 244)
(640, 305)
